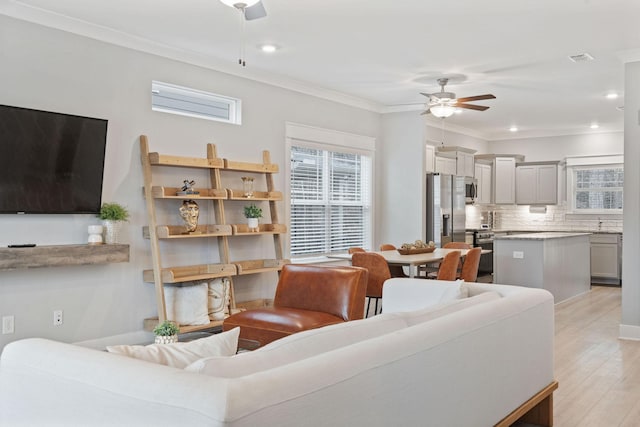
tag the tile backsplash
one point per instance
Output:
(556, 218)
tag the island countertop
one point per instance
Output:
(540, 236)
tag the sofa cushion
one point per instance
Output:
(182, 354)
(187, 305)
(442, 309)
(408, 294)
(298, 346)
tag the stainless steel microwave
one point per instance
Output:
(470, 190)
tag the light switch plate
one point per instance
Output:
(8, 324)
(518, 254)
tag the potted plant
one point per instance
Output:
(112, 216)
(166, 332)
(252, 213)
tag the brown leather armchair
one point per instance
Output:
(307, 297)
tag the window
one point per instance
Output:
(330, 200)
(184, 101)
(595, 188)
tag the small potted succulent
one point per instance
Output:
(112, 216)
(166, 332)
(252, 213)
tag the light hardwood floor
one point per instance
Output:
(599, 374)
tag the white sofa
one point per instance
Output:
(468, 362)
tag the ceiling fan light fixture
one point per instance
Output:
(240, 4)
(442, 111)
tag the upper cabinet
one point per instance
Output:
(503, 189)
(455, 161)
(537, 183)
(483, 178)
(430, 158)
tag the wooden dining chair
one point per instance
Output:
(355, 249)
(470, 265)
(448, 269)
(378, 273)
(396, 270)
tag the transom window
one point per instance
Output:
(330, 200)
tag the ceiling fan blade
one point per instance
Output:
(425, 112)
(471, 106)
(254, 12)
(476, 98)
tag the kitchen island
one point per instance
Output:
(557, 262)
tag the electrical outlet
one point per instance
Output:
(57, 317)
(8, 325)
(518, 254)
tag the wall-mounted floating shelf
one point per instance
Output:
(61, 255)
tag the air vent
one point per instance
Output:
(581, 57)
(620, 108)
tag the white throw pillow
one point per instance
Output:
(298, 346)
(409, 294)
(181, 354)
(187, 305)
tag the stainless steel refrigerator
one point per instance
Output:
(445, 218)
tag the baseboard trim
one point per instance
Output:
(629, 332)
(138, 337)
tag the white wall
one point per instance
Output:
(53, 70)
(630, 324)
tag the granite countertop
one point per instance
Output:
(540, 236)
(512, 231)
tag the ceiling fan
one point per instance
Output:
(443, 104)
(251, 9)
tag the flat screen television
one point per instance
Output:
(50, 163)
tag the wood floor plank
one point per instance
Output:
(599, 374)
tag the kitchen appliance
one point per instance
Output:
(470, 190)
(483, 238)
(445, 217)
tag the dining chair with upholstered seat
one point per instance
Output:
(396, 270)
(470, 265)
(448, 269)
(451, 245)
(378, 274)
(355, 249)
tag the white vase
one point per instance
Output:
(166, 339)
(95, 234)
(253, 224)
(112, 231)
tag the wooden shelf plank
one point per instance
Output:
(260, 266)
(257, 195)
(250, 167)
(160, 192)
(61, 255)
(157, 159)
(178, 231)
(192, 273)
(243, 229)
(149, 324)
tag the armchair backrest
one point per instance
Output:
(336, 290)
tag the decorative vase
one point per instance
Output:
(95, 234)
(166, 339)
(247, 186)
(253, 224)
(112, 231)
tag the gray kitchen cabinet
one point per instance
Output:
(537, 183)
(504, 181)
(445, 165)
(430, 158)
(483, 178)
(606, 258)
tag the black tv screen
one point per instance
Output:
(50, 162)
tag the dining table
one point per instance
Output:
(393, 257)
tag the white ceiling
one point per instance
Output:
(379, 54)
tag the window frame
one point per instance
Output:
(334, 141)
(574, 164)
(234, 105)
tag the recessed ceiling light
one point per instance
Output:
(581, 57)
(612, 95)
(513, 129)
(268, 48)
(594, 126)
